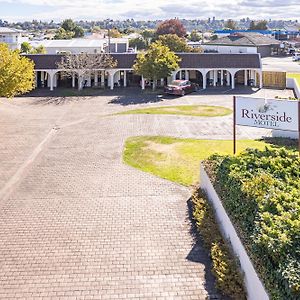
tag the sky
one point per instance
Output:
(21, 10)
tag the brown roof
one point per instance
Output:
(188, 60)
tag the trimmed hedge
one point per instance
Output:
(260, 191)
(224, 266)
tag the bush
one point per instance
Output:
(260, 191)
(225, 268)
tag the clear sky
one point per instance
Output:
(15, 10)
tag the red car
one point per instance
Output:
(180, 87)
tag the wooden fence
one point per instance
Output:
(274, 79)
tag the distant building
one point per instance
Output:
(76, 46)
(12, 37)
(244, 42)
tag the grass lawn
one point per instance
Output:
(187, 110)
(296, 76)
(177, 159)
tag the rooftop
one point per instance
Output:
(245, 39)
(188, 60)
(10, 30)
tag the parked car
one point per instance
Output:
(180, 87)
(296, 57)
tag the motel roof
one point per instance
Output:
(188, 60)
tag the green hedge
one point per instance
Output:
(229, 280)
(260, 191)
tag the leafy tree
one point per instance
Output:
(230, 24)
(157, 62)
(172, 26)
(175, 43)
(260, 25)
(40, 50)
(138, 43)
(68, 25)
(78, 32)
(26, 47)
(62, 34)
(148, 35)
(195, 36)
(16, 73)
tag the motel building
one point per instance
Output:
(208, 70)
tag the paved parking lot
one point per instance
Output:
(76, 223)
(285, 64)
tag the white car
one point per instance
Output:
(296, 57)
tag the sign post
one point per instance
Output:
(266, 113)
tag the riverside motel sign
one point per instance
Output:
(266, 113)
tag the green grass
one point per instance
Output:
(294, 75)
(187, 110)
(177, 159)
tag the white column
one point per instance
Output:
(162, 82)
(89, 80)
(55, 80)
(96, 78)
(111, 80)
(204, 80)
(222, 78)
(174, 75)
(255, 78)
(116, 47)
(187, 75)
(102, 78)
(143, 83)
(228, 78)
(51, 77)
(260, 80)
(125, 78)
(73, 80)
(245, 77)
(180, 74)
(232, 80)
(215, 77)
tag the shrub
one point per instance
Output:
(224, 266)
(261, 192)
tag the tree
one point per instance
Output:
(138, 43)
(40, 50)
(260, 25)
(26, 48)
(68, 30)
(84, 64)
(148, 35)
(195, 36)
(230, 24)
(62, 34)
(16, 73)
(114, 33)
(175, 43)
(68, 25)
(157, 62)
(172, 26)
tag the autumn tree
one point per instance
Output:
(16, 73)
(26, 48)
(230, 24)
(172, 26)
(157, 62)
(84, 64)
(175, 43)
